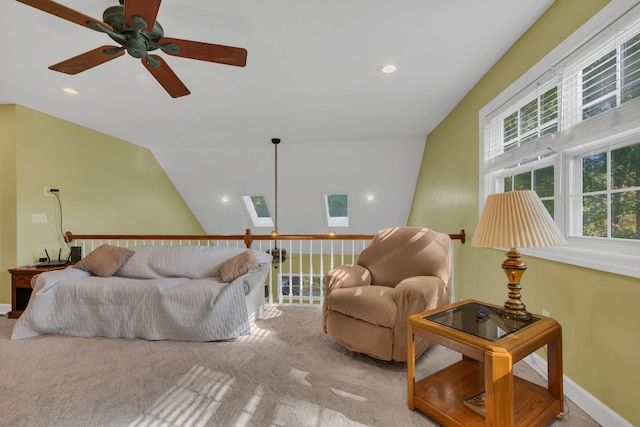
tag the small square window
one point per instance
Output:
(258, 210)
(337, 210)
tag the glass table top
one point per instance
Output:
(479, 320)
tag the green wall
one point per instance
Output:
(596, 310)
(106, 186)
(8, 231)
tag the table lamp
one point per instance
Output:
(516, 219)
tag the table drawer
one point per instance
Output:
(23, 281)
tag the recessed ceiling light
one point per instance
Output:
(388, 69)
(70, 90)
(370, 197)
(225, 199)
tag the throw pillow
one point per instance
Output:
(105, 260)
(240, 264)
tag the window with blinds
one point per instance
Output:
(612, 79)
(536, 118)
(572, 134)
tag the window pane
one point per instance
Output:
(625, 221)
(594, 215)
(291, 286)
(543, 179)
(537, 118)
(549, 205)
(508, 184)
(598, 108)
(337, 205)
(599, 78)
(630, 85)
(315, 285)
(594, 173)
(260, 205)
(529, 117)
(625, 167)
(522, 181)
(510, 127)
(311, 286)
(550, 129)
(549, 105)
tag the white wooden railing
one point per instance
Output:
(297, 277)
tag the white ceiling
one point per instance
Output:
(312, 79)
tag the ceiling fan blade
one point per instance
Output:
(64, 12)
(166, 77)
(145, 9)
(228, 55)
(88, 60)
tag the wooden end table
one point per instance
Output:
(490, 346)
(21, 287)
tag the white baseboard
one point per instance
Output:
(5, 308)
(597, 410)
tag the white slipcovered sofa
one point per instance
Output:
(189, 293)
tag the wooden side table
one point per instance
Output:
(490, 346)
(21, 287)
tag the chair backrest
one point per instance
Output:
(400, 252)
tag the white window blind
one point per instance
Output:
(607, 79)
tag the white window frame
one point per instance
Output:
(615, 127)
(575, 172)
(336, 221)
(290, 278)
(255, 219)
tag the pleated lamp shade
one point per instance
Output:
(516, 219)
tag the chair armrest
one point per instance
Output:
(420, 293)
(347, 276)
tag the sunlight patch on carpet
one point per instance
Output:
(257, 334)
(251, 407)
(349, 395)
(299, 377)
(271, 312)
(191, 402)
(301, 413)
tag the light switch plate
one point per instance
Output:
(39, 218)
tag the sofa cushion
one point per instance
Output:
(238, 265)
(193, 262)
(105, 260)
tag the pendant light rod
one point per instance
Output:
(275, 142)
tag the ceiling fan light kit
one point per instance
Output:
(133, 25)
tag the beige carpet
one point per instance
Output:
(287, 373)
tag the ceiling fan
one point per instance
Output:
(133, 25)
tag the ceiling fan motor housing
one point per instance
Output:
(137, 42)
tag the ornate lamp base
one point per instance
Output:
(514, 268)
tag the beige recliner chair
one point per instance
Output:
(405, 270)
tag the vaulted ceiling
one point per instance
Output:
(312, 79)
